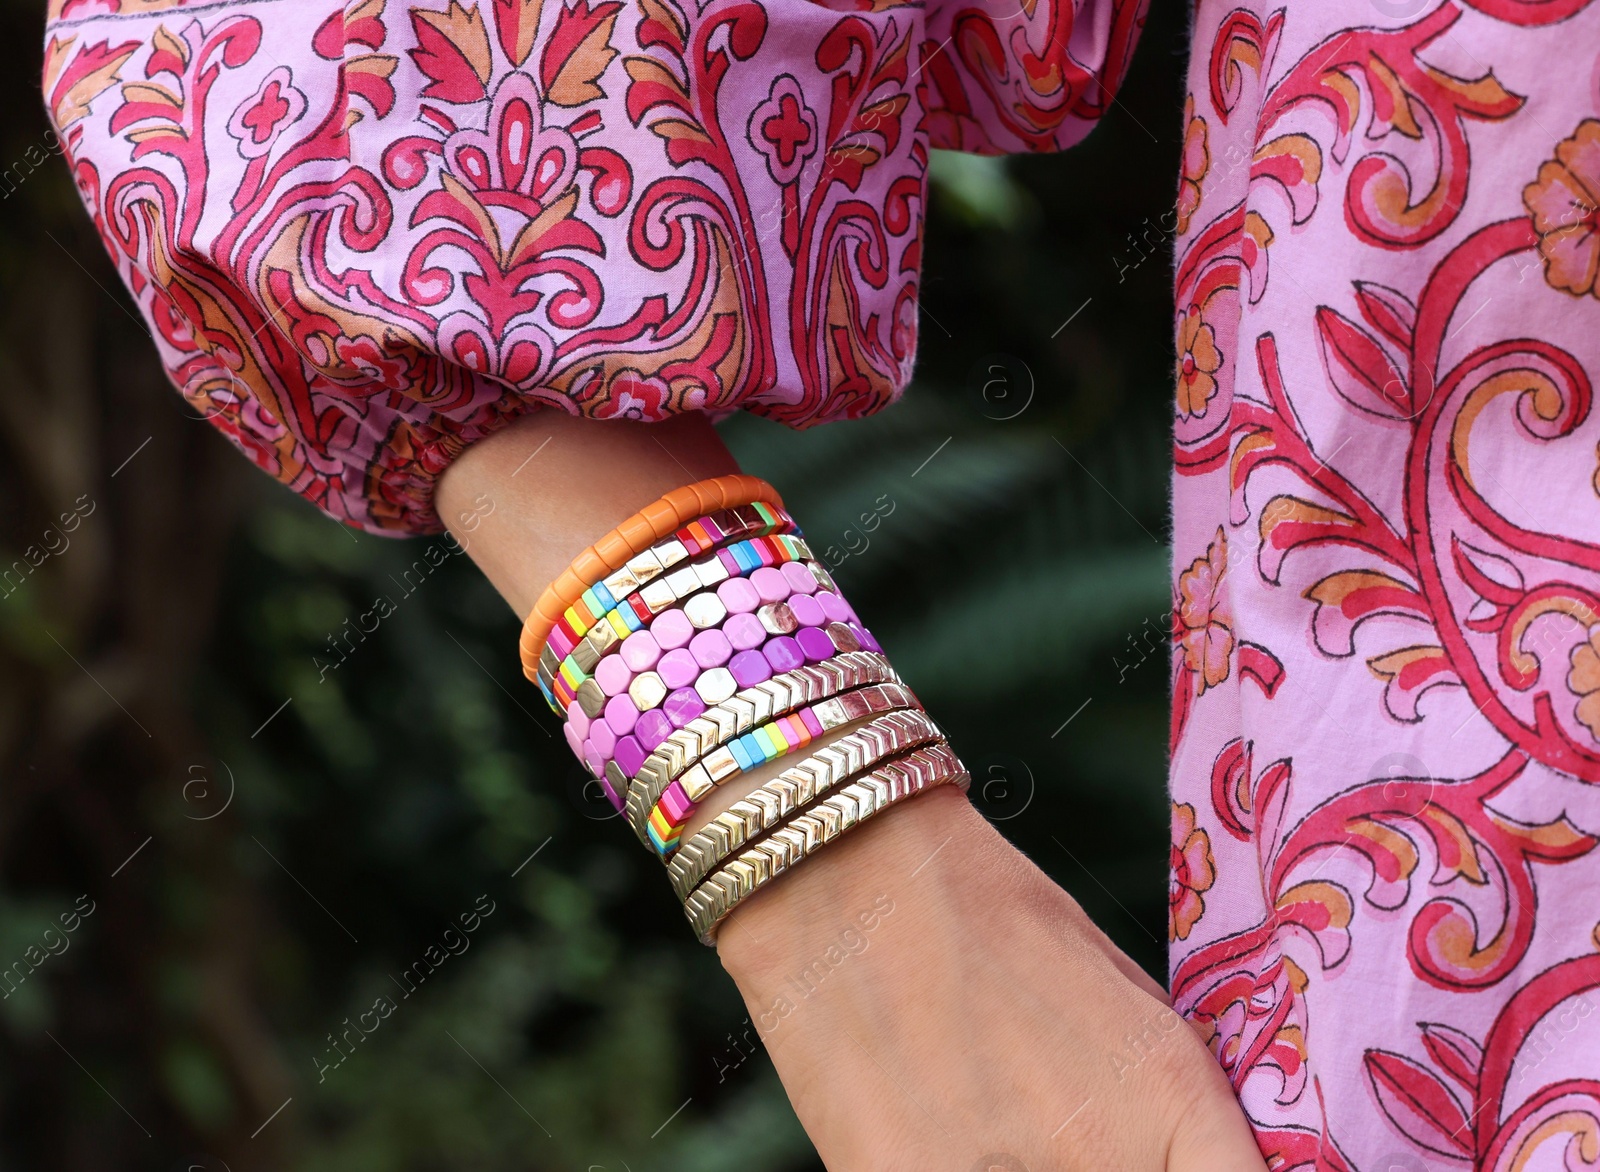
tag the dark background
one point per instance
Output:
(258, 873)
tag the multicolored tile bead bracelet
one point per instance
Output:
(701, 639)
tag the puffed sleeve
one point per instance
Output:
(365, 236)
(1008, 76)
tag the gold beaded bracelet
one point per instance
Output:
(798, 786)
(807, 832)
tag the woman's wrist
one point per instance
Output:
(912, 859)
(526, 500)
(936, 868)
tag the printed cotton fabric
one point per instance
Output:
(1386, 596)
(365, 236)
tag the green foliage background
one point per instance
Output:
(257, 881)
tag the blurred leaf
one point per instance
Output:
(979, 189)
(198, 1084)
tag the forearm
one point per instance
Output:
(529, 498)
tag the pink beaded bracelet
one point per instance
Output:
(643, 708)
(736, 609)
(754, 627)
(700, 536)
(637, 610)
(740, 714)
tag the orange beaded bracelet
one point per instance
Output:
(638, 533)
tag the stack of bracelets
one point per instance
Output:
(700, 639)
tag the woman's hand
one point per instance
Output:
(933, 1002)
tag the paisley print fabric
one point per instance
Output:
(365, 236)
(1386, 590)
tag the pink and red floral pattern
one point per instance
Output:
(365, 240)
(365, 236)
(1394, 243)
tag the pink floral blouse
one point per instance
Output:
(365, 237)
(1386, 615)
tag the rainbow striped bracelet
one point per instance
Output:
(616, 620)
(697, 537)
(739, 714)
(776, 739)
